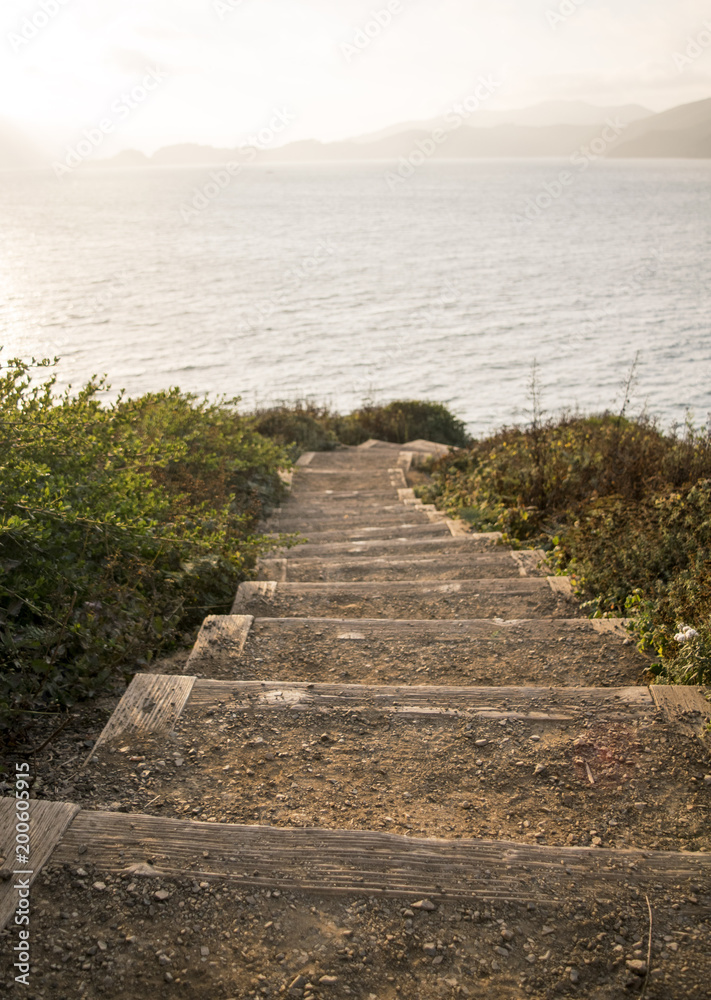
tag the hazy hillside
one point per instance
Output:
(540, 115)
(680, 132)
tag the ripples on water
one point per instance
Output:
(320, 282)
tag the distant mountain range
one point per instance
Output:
(552, 129)
(680, 132)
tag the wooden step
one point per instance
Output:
(472, 565)
(321, 484)
(465, 762)
(350, 497)
(364, 862)
(204, 910)
(488, 651)
(311, 481)
(19, 868)
(305, 520)
(441, 544)
(417, 529)
(525, 597)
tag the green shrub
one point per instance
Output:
(405, 420)
(620, 506)
(305, 426)
(300, 426)
(121, 527)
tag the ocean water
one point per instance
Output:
(329, 283)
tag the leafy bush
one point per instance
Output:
(622, 507)
(305, 426)
(406, 420)
(300, 426)
(122, 526)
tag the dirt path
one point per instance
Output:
(406, 766)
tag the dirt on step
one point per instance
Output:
(565, 653)
(120, 936)
(605, 781)
(462, 599)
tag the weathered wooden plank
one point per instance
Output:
(471, 563)
(351, 861)
(398, 480)
(250, 590)
(687, 707)
(47, 823)
(427, 447)
(467, 543)
(228, 633)
(529, 703)
(489, 585)
(506, 598)
(306, 458)
(151, 703)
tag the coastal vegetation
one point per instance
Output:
(621, 506)
(306, 426)
(125, 523)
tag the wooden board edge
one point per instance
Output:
(247, 591)
(231, 629)
(48, 823)
(685, 706)
(151, 703)
(398, 479)
(357, 861)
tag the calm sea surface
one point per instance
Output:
(322, 282)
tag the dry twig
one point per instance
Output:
(649, 952)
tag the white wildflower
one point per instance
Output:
(686, 634)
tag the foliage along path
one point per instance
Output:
(406, 765)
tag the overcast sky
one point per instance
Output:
(230, 64)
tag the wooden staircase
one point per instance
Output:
(405, 766)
